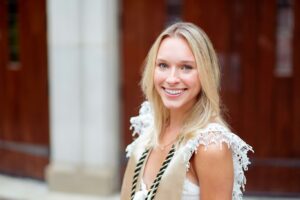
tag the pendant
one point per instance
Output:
(162, 148)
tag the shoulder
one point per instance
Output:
(215, 136)
(215, 140)
(213, 152)
(217, 149)
(212, 156)
(213, 146)
(214, 168)
(213, 161)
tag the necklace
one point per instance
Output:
(163, 147)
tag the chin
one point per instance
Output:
(178, 105)
(173, 105)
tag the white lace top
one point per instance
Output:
(213, 133)
(190, 191)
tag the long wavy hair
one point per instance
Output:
(207, 108)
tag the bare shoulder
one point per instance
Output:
(214, 152)
(213, 165)
(213, 158)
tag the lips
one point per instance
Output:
(174, 92)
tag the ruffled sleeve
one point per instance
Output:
(218, 134)
(140, 125)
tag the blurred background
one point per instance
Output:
(69, 83)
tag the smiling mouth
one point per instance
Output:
(174, 92)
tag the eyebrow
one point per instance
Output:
(182, 61)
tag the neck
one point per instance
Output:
(176, 119)
(173, 128)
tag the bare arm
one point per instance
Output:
(214, 170)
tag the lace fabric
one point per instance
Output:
(213, 133)
(217, 134)
(190, 191)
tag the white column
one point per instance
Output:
(84, 100)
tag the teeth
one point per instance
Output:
(173, 92)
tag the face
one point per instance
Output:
(176, 77)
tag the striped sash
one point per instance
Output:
(153, 189)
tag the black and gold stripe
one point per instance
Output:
(153, 189)
(137, 172)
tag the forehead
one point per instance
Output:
(175, 48)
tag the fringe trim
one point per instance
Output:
(140, 125)
(214, 133)
(217, 134)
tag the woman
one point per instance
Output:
(185, 149)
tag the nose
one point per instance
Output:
(172, 76)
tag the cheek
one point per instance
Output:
(197, 81)
(194, 83)
(192, 80)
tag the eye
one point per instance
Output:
(186, 67)
(162, 65)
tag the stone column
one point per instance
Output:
(84, 95)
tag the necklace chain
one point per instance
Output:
(162, 147)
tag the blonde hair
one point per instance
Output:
(207, 107)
